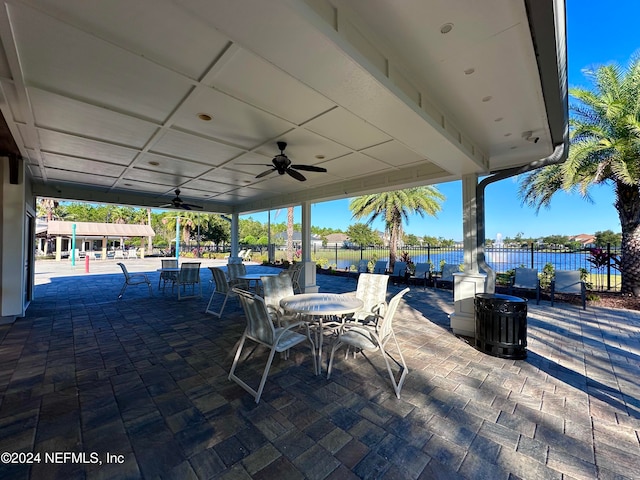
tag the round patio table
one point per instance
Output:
(255, 277)
(318, 307)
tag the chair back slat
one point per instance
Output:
(448, 270)
(190, 272)
(385, 327)
(124, 270)
(526, 278)
(295, 269)
(372, 290)
(422, 270)
(380, 267)
(276, 288)
(363, 266)
(235, 270)
(259, 324)
(169, 263)
(568, 281)
(399, 268)
(220, 279)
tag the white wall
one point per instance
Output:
(12, 219)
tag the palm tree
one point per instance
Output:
(605, 149)
(290, 234)
(396, 207)
(121, 214)
(142, 216)
(46, 208)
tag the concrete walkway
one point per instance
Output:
(145, 379)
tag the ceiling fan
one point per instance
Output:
(282, 165)
(179, 204)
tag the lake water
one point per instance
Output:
(500, 260)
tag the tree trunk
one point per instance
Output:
(395, 233)
(290, 234)
(628, 207)
(150, 238)
(393, 247)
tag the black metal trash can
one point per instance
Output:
(501, 325)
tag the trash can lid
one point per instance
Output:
(500, 296)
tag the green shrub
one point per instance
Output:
(547, 275)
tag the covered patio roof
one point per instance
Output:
(123, 102)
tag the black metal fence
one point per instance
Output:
(600, 276)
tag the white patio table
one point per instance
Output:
(318, 307)
(255, 277)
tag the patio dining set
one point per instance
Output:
(280, 317)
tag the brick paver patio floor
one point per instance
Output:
(145, 379)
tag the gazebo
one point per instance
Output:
(90, 236)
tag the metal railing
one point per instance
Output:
(502, 259)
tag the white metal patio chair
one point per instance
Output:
(221, 287)
(261, 330)
(235, 270)
(569, 281)
(274, 289)
(189, 275)
(526, 279)
(375, 337)
(133, 279)
(295, 269)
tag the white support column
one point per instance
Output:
(58, 248)
(471, 281)
(235, 227)
(309, 271)
(12, 238)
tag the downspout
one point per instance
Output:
(559, 155)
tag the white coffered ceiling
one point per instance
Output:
(103, 97)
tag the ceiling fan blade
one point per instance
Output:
(265, 173)
(256, 164)
(309, 168)
(295, 174)
(190, 206)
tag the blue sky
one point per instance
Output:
(590, 44)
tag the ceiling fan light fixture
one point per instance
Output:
(446, 28)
